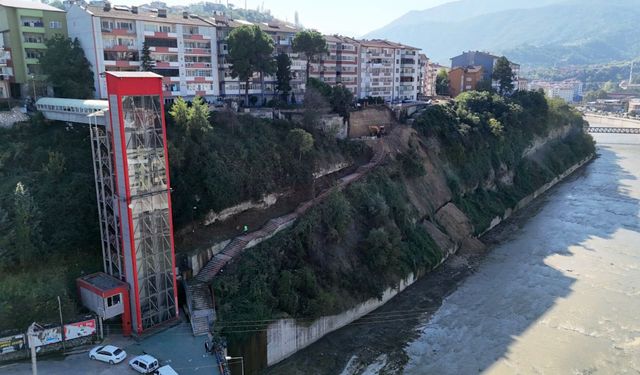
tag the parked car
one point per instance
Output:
(108, 353)
(166, 370)
(144, 364)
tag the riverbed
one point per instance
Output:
(558, 295)
(556, 292)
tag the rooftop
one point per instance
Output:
(134, 74)
(103, 281)
(124, 12)
(380, 43)
(26, 4)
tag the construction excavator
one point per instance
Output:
(377, 131)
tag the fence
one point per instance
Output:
(48, 339)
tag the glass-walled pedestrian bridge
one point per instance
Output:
(74, 110)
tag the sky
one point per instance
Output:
(347, 17)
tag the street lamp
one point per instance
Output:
(236, 358)
(33, 83)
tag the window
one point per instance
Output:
(113, 300)
(55, 25)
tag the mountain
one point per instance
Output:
(544, 32)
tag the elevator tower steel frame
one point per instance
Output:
(133, 191)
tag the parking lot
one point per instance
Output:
(175, 347)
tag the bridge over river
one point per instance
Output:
(612, 124)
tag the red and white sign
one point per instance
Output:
(79, 329)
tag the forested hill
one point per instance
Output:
(549, 32)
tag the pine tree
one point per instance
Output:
(503, 74)
(146, 63)
(283, 75)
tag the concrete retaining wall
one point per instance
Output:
(286, 336)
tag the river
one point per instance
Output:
(560, 294)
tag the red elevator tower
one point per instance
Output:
(136, 209)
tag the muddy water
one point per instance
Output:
(560, 294)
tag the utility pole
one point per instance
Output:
(31, 333)
(61, 324)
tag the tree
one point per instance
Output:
(301, 140)
(442, 83)
(240, 43)
(146, 63)
(341, 100)
(484, 85)
(283, 75)
(311, 43)
(180, 112)
(503, 74)
(199, 119)
(263, 50)
(250, 51)
(67, 69)
(27, 233)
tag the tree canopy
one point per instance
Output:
(283, 75)
(503, 74)
(67, 68)
(250, 51)
(311, 43)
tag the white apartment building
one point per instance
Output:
(388, 70)
(340, 64)
(183, 47)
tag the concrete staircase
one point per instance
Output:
(199, 297)
(201, 309)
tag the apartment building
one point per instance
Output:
(282, 35)
(24, 26)
(433, 69)
(423, 75)
(389, 70)
(183, 47)
(486, 61)
(340, 64)
(463, 79)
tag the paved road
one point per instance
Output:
(176, 347)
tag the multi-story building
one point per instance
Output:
(282, 35)
(25, 25)
(388, 70)
(183, 47)
(6, 69)
(487, 61)
(464, 79)
(423, 75)
(340, 64)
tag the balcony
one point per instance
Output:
(197, 51)
(197, 65)
(118, 31)
(119, 47)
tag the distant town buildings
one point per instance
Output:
(24, 26)
(568, 90)
(191, 53)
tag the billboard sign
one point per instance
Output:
(79, 329)
(47, 336)
(11, 344)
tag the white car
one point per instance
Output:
(144, 364)
(108, 353)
